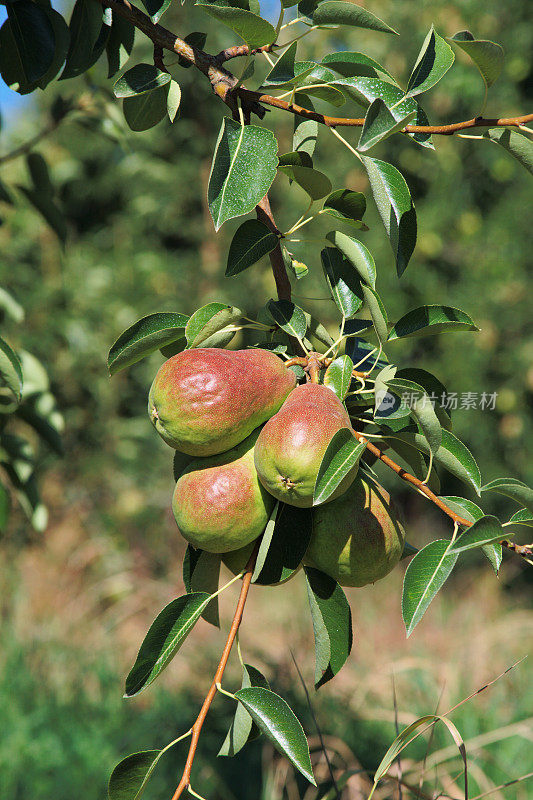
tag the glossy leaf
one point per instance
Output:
(377, 311)
(453, 455)
(342, 455)
(421, 409)
(345, 204)
(522, 517)
(429, 320)
(130, 776)
(279, 724)
(144, 337)
(251, 241)
(288, 540)
(244, 166)
(296, 158)
(143, 111)
(487, 56)
(433, 62)
(380, 124)
(513, 488)
(87, 38)
(425, 575)
(464, 507)
(289, 317)
(156, 8)
(253, 29)
(173, 100)
(351, 65)
(120, 44)
(242, 725)
(33, 45)
(357, 254)
(338, 376)
(305, 130)
(200, 574)
(140, 79)
(313, 182)
(10, 370)
(343, 281)
(518, 145)
(337, 12)
(209, 320)
(487, 530)
(395, 207)
(163, 640)
(332, 624)
(283, 72)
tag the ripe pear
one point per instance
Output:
(205, 401)
(358, 538)
(218, 503)
(291, 445)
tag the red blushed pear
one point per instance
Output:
(291, 445)
(205, 401)
(358, 538)
(219, 504)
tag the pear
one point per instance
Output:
(218, 503)
(205, 401)
(236, 561)
(358, 538)
(291, 445)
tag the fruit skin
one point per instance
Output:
(218, 503)
(291, 445)
(205, 401)
(358, 538)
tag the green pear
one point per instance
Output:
(218, 503)
(358, 538)
(205, 401)
(237, 560)
(291, 445)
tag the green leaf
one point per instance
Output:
(62, 42)
(298, 268)
(200, 574)
(120, 44)
(38, 169)
(338, 376)
(313, 182)
(242, 726)
(87, 40)
(429, 320)
(342, 456)
(425, 575)
(332, 624)
(208, 320)
(305, 130)
(395, 207)
(345, 204)
(518, 145)
(10, 306)
(173, 100)
(289, 317)
(421, 409)
(433, 62)
(41, 413)
(140, 79)
(487, 56)
(380, 124)
(143, 111)
(33, 45)
(255, 30)
(513, 488)
(251, 241)
(283, 71)
(357, 254)
(10, 370)
(487, 530)
(343, 282)
(472, 512)
(163, 640)
(377, 312)
(288, 540)
(145, 336)
(452, 454)
(244, 166)
(366, 90)
(351, 65)
(47, 207)
(130, 776)
(337, 12)
(27, 494)
(156, 8)
(522, 517)
(279, 724)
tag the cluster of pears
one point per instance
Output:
(245, 436)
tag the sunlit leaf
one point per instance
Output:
(425, 575)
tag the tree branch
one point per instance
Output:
(283, 284)
(200, 719)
